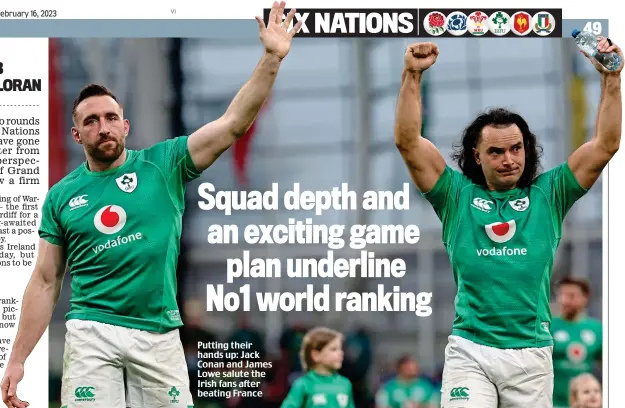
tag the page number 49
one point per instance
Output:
(594, 27)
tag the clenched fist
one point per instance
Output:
(420, 56)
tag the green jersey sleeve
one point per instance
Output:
(444, 198)
(172, 157)
(296, 397)
(561, 188)
(50, 227)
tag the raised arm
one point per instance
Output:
(40, 297)
(211, 140)
(589, 160)
(424, 161)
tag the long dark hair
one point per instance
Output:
(463, 151)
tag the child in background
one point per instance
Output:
(585, 392)
(321, 355)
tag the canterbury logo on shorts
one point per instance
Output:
(84, 392)
(459, 393)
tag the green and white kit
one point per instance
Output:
(502, 247)
(121, 230)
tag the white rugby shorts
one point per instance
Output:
(477, 376)
(96, 355)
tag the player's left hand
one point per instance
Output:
(276, 37)
(606, 46)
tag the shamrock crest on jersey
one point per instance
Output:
(520, 204)
(588, 337)
(127, 182)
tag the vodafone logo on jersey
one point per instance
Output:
(501, 232)
(110, 219)
(576, 352)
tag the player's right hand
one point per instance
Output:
(420, 56)
(12, 376)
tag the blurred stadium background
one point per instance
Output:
(329, 121)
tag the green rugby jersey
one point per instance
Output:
(400, 394)
(121, 232)
(577, 345)
(316, 390)
(502, 246)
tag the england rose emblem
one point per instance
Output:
(435, 23)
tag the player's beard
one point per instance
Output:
(107, 154)
(571, 314)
